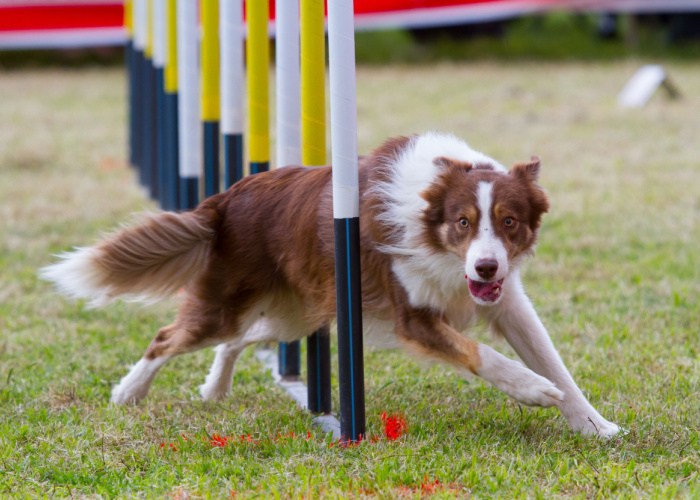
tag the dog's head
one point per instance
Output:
(487, 217)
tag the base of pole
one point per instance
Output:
(318, 370)
(289, 356)
(297, 390)
(349, 321)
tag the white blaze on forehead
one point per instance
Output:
(486, 245)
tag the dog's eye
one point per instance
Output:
(463, 223)
(509, 222)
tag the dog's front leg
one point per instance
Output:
(427, 335)
(515, 318)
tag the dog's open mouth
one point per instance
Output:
(488, 291)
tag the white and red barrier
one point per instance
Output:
(86, 23)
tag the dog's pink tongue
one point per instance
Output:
(485, 290)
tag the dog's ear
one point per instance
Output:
(530, 170)
(445, 164)
(442, 162)
(434, 195)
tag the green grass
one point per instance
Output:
(616, 280)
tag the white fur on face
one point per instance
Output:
(486, 245)
(432, 280)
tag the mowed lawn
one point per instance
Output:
(616, 280)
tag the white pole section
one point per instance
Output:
(232, 36)
(341, 54)
(288, 82)
(159, 34)
(140, 24)
(188, 82)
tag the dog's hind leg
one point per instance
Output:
(135, 385)
(197, 326)
(218, 383)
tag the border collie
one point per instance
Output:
(444, 230)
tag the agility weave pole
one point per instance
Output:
(188, 104)
(139, 21)
(130, 64)
(150, 110)
(232, 33)
(159, 43)
(210, 96)
(313, 152)
(346, 214)
(287, 64)
(170, 134)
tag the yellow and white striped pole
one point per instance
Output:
(210, 96)
(258, 57)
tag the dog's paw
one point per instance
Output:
(212, 391)
(518, 381)
(125, 393)
(532, 390)
(134, 386)
(596, 426)
(585, 420)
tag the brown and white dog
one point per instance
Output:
(444, 230)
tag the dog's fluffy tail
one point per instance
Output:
(144, 262)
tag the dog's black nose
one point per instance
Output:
(486, 268)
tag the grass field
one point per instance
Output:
(616, 280)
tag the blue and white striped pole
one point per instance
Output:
(189, 129)
(232, 32)
(346, 215)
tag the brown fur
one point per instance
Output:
(157, 256)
